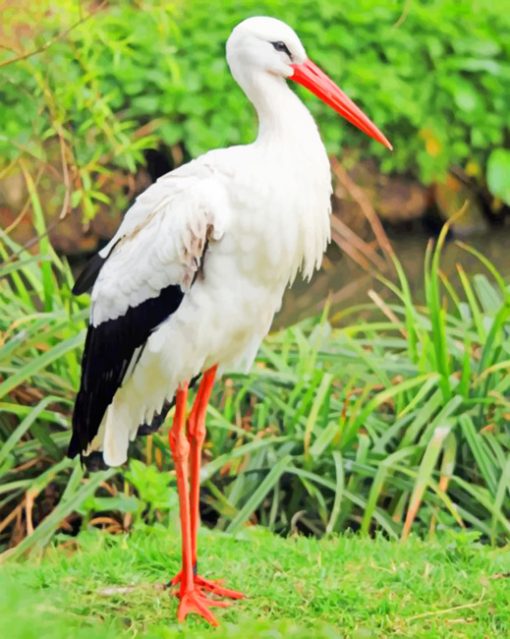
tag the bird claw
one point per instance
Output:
(213, 586)
(194, 601)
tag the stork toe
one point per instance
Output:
(216, 588)
(193, 601)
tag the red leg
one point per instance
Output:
(196, 436)
(191, 599)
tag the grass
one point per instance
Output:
(102, 586)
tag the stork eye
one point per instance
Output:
(281, 46)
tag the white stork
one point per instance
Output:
(189, 284)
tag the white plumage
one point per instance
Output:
(231, 229)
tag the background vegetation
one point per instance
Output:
(396, 420)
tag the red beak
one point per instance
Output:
(315, 80)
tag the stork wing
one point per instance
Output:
(139, 280)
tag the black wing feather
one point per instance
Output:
(109, 349)
(88, 276)
(159, 418)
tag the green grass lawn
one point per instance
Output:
(350, 587)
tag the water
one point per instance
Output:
(346, 284)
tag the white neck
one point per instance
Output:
(288, 133)
(281, 114)
(296, 161)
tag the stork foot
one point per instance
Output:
(215, 587)
(194, 601)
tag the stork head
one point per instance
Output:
(265, 43)
(271, 46)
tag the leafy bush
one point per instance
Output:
(66, 105)
(435, 76)
(396, 421)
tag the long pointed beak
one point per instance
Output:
(315, 80)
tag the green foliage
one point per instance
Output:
(498, 174)
(74, 94)
(41, 330)
(434, 75)
(385, 423)
(341, 587)
(394, 422)
(153, 488)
